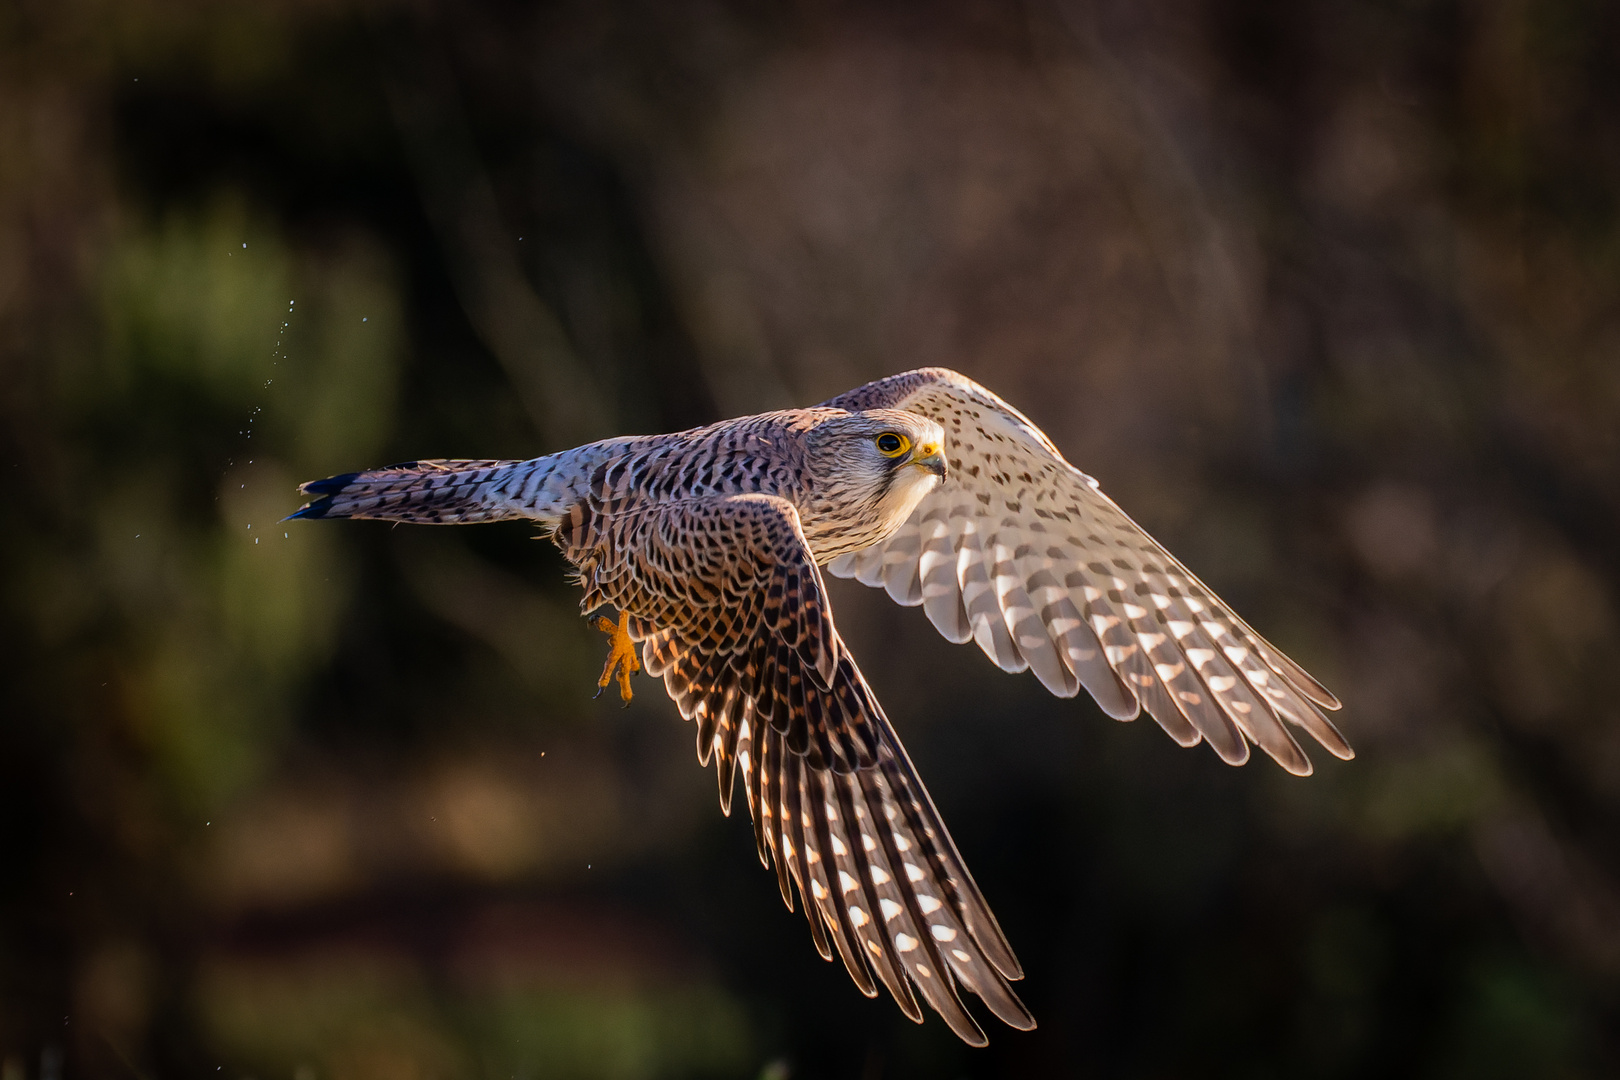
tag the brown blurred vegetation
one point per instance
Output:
(1327, 294)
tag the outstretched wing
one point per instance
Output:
(733, 614)
(1019, 551)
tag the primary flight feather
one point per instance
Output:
(711, 543)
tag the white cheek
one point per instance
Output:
(909, 489)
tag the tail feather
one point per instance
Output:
(425, 492)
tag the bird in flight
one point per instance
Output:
(712, 545)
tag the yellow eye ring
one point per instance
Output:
(892, 444)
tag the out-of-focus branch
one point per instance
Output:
(1553, 886)
(515, 324)
(1124, 123)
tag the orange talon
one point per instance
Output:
(621, 655)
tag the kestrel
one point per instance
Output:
(712, 544)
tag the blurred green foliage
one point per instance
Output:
(198, 319)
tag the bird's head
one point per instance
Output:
(872, 468)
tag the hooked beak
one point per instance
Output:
(931, 458)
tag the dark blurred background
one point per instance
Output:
(1326, 294)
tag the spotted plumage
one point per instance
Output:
(713, 542)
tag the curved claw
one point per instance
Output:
(621, 656)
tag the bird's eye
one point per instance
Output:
(890, 444)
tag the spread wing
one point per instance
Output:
(733, 615)
(1019, 551)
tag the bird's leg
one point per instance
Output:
(621, 655)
